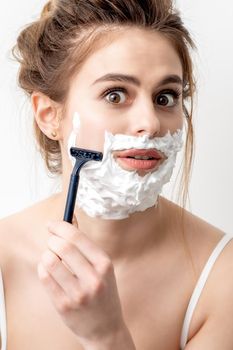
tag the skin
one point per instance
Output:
(98, 114)
(95, 299)
(131, 54)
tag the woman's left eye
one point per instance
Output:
(116, 96)
(168, 98)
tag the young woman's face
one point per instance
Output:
(131, 86)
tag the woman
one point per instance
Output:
(112, 76)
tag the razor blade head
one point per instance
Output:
(85, 154)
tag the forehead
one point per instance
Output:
(146, 54)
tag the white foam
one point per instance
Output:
(108, 191)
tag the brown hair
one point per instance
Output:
(68, 31)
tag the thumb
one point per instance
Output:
(75, 221)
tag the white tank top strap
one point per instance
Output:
(199, 287)
(3, 330)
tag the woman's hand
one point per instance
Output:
(79, 278)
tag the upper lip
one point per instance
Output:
(152, 153)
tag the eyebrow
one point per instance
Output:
(135, 81)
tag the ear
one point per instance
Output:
(46, 112)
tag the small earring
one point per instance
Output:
(54, 134)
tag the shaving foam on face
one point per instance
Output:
(73, 135)
(110, 192)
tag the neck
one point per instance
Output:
(124, 239)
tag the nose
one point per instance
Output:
(145, 120)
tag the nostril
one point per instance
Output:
(150, 135)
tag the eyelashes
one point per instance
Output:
(115, 90)
(175, 93)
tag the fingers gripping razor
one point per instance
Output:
(82, 156)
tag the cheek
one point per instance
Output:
(91, 136)
(173, 122)
(179, 122)
(91, 132)
(95, 118)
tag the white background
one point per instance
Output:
(23, 178)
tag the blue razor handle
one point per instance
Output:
(82, 156)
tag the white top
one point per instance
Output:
(189, 313)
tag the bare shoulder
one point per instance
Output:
(200, 236)
(204, 237)
(19, 232)
(217, 330)
(216, 302)
(21, 239)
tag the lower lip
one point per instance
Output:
(139, 163)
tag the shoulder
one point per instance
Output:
(39, 210)
(200, 238)
(22, 232)
(215, 306)
(216, 332)
(203, 239)
(198, 234)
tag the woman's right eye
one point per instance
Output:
(115, 96)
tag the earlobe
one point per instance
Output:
(46, 114)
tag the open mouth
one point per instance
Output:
(139, 159)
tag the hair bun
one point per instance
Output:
(48, 9)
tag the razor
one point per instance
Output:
(82, 156)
